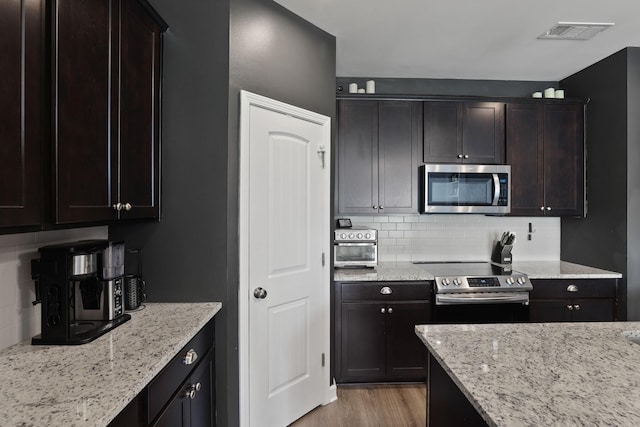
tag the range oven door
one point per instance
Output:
(490, 307)
(465, 189)
(355, 254)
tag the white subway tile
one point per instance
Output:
(396, 218)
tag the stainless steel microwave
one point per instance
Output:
(475, 189)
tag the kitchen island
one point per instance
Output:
(90, 384)
(535, 374)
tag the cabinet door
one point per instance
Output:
(564, 159)
(85, 109)
(362, 341)
(399, 133)
(593, 310)
(202, 406)
(139, 112)
(406, 354)
(358, 156)
(549, 311)
(483, 132)
(525, 154)
(442, 137)
(21, 102)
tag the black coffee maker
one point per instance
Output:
(80, 288)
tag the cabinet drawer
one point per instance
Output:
(372, 291)
(168, 381)
(585, 288)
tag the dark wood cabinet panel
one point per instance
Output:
(525, 154)
(442, 138)
(406, 354)
(139, 155)
(545, 148)
(106, 110)
(362, 341)
(85, 108)
(22, 111)
(563, 300)
(358, 156)
(379, 143)
(463, 132)
(564, 159)
(375, 332)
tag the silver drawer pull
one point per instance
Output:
(386, 291)
(191, 391)
(570, 307)
(190, 357)
(572, 288)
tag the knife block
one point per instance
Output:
(501, 253)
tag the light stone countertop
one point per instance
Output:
(543, 374)
(407, 271)
(89, 384)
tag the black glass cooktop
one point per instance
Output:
(464, 268)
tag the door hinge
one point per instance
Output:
(322, 359)
(323, 259)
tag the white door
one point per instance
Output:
(285, 217)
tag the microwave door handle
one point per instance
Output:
(496, 189)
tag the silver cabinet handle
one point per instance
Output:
(390, 310)
(127, 206)
(191, 391)
(381, 207)
(190, 357)
(572, 288)
(386, 291)
(466, 156)
(382, 310)
(548, 208)
(570, 307)
(375, 207)
(541, 208)
(117, 207)
(576, 307)
(459, 156)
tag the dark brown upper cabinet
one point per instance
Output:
(545, 148)
(22, 106)
(378, 156)
(463, 132)
(106, 100)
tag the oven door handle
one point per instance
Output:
(355, 244)
(480, 298)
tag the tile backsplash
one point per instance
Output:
(19, 318)
(461, 237)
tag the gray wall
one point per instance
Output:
(609, 237)
(397, 86)
(213, 49)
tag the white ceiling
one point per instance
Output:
(467, 39)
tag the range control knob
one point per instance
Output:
(522, 280)
(457, 282)
(351, 235)
(367, 236)
(359, 236)
(343, 236)
(510, 281)
(445, 282)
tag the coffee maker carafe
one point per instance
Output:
(80, 288)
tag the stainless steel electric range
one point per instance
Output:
(478, 292)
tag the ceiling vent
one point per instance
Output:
(574, 30)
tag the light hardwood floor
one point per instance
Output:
(371, 406)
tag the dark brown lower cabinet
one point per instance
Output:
(375, 337)
(182, 394)
(581, 300)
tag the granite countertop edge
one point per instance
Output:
(407, 271)
(90, 384)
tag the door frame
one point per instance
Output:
(247, 100)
